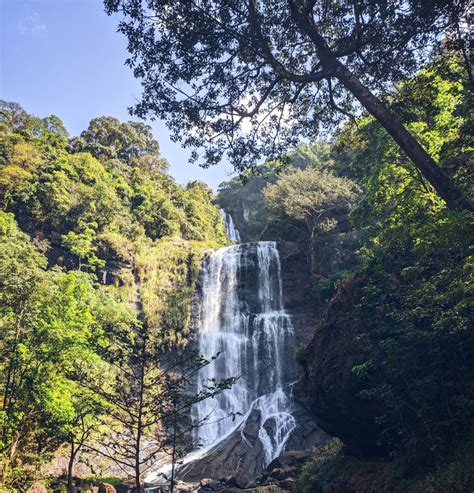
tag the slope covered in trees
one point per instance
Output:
(100, 250)
(396, 320)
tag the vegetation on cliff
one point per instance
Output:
(100, 250)
(408, 310)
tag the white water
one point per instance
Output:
(254, 337)
(232, 232)
(241, 316)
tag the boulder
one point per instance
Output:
(287, 484)
(124, 488)
(37, 488)
(210, 485)
(283, 472)
(292, 458)
(234, 482)
(106, 488)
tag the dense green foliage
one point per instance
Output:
(417, 306)
(50, 322)
(102, 272)
(243, 196)
(249, 79)
(79, 190)
(416, 310)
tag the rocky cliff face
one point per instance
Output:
(297, 291)
(328, 382)
(241, 455)
(327, 341)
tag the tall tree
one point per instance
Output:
(150, 400)
(250, 77)
(313, 198)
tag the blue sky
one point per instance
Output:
(64, 57)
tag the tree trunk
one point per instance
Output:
(9, 456)
(173, 452)
(70, 468)
(312, 240)
(440, 181)
(138, 486)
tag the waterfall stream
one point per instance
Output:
(242, 318)
(232, 232)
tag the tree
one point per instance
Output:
(49, 324)
(312, 197)
(18, 173)
(82, 245)
(178, 377)
(109, 138)
(149, 399)
(249, 77)
(82, 427)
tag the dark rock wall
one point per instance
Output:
(329, 385)
(297, 291)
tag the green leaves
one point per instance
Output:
(106, 206)
(82, 246)
(51, 323)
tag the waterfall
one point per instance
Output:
(242, 318)
(232, 232)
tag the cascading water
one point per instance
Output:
(253, 335)
(232, 232)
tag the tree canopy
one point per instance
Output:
(95, 286)
(250, 78)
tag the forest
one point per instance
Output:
(104, 258)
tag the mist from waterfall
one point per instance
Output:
(254, 337)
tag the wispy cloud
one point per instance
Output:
(31, 23)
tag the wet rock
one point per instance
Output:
(252, 426)
(235, 457)
(206, 481)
